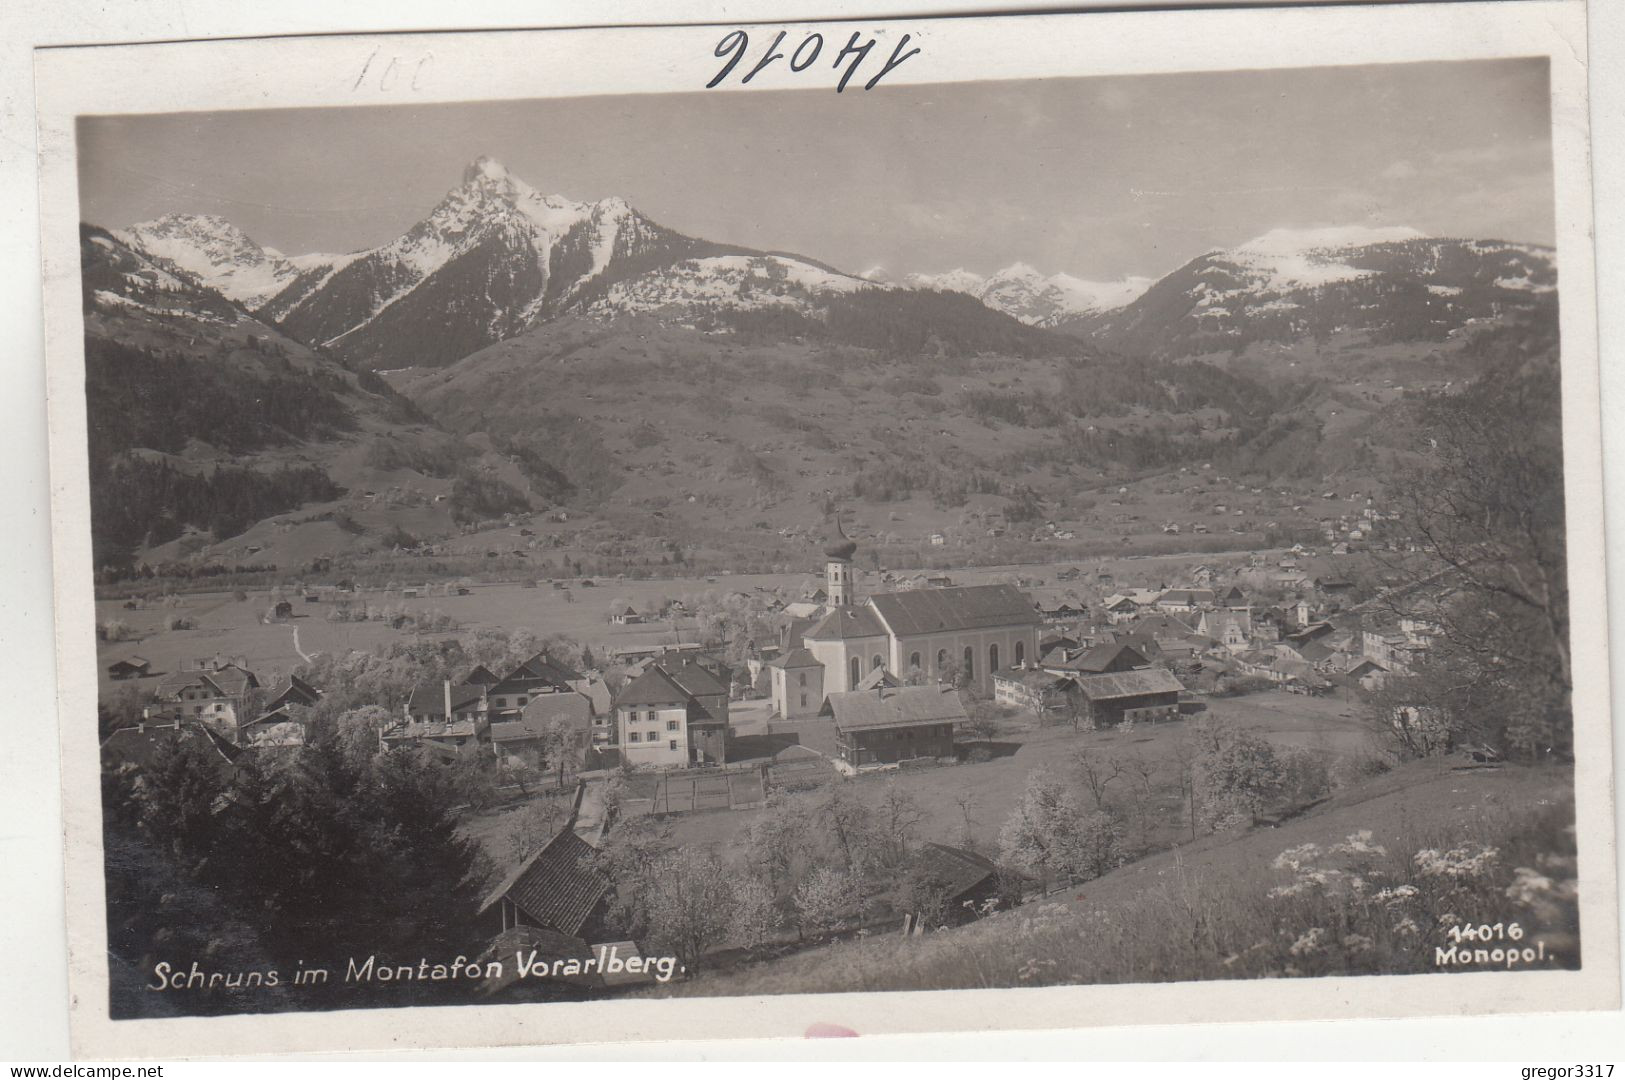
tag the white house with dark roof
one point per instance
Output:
(798, 684)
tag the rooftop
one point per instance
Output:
(900, 706)
(1122, 684)
(965, 607)
(557, 887)
(843, 623)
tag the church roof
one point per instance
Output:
(795, 658)
(965, 607)
(838, 545)
(843, 623)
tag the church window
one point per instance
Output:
(801, 680)
(970, 662)
(857, 673)
(877, 661)
(992, 658)
(1021, 653)
(914, 661)
(942, 659)
(803, 701)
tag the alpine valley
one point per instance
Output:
(525, 383)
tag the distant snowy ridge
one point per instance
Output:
(738, 282)
(1021, 291)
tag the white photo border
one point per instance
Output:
(323, 72)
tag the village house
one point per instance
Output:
(1142, 696)
(1231, 629)
(708, 709)
(538, 675)
(1120, 609)
(798, 684)
(962, 880)
(891, 724)
(139, 746)
(960, 632)
(130, 667)
(1106, 657)
(1185, 600)
(671, 716)
(625, 617)
(556, 889)
(1367, 672)
(1033, 690)
(278, 724)
(214, 696)
(1062, 612)
(527, 738)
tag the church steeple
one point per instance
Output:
(838, 551)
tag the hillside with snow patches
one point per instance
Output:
(1381, 286)
(1021, 291)
(737, 282)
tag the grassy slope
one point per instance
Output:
(1183, 913)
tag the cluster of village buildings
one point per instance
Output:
(873, 679)
(857, 680)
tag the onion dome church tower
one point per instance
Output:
(838, 551)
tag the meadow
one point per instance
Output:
(1372, 881)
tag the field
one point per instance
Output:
(236, 628)
(992, 788)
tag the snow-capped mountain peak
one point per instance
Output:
(216, 253)
(485, 168)
(1329, 238)
(1023, 291)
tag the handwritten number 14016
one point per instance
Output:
(735, 44)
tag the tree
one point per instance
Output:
(965, 837)
(780, 840)
(558, 742)
(823, 899)
(1049, 836)
(1236, 775)
(900, 816)
(983, 722)
(1142, 772)
(923, 894)
(1483, 508)
(680, 900)
(755, 914)
(844, 817)
(356, 733)
(1098, 772)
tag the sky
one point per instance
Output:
(1103, 178)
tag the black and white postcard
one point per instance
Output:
(924, 525)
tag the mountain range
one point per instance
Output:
(539, 352)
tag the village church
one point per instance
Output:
(926, 635)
